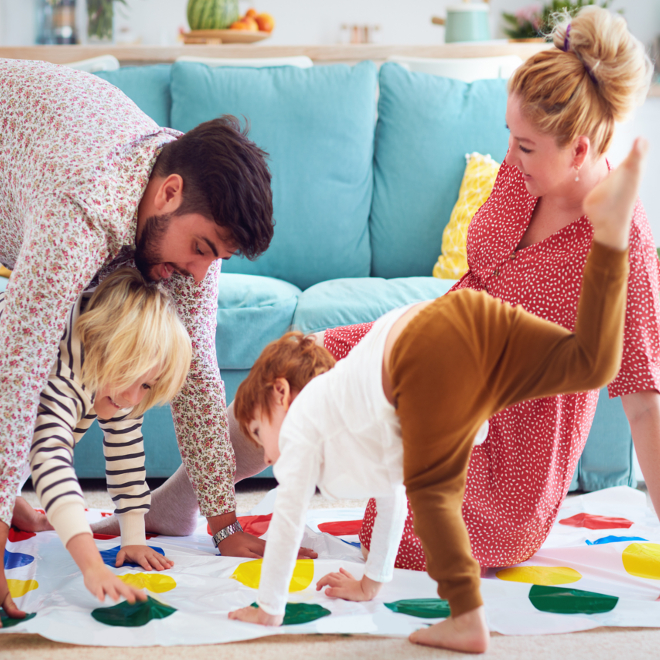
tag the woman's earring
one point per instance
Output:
(577, 172)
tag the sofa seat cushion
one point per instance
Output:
(426, 125)
(360, 300)
(317, 125)
(252, 311)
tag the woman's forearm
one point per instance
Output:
(643, 412)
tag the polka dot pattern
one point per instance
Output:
(518, 478)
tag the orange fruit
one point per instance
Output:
(238, 25)
(251, 13)
(250, 24)
(265, 22)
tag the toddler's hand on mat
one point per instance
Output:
(147, 557)
(256, 615)
(102, 582)
(343, 585)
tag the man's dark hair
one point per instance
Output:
(226, 179)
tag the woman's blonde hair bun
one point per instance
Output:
(594, 77)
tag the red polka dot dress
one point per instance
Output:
(518, 478)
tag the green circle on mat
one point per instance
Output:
(130, 616)
(297, 613)
(560, 600)
(8, 622)
(424, 608)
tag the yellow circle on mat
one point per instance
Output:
(546, 576)
(156, 583)
(249, 574)
(642, 560)
(18, 588)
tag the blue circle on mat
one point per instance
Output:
(110, 556)
(17, 559)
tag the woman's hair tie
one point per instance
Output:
(567, 47)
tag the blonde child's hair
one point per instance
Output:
(593, 78)
(295, 357)
(129, 327)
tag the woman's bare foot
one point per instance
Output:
(27, 519)
(467, 632)
(611, 203)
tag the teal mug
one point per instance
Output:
(466, 22)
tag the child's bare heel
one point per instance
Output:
(467, 632)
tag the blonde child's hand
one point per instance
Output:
(102, 582)
(147, 557)
(256, 615)
(343, 585)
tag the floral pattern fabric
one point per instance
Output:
(75, 159)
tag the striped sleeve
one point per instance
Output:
(63, 404)
(123, 447)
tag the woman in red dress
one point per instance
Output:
(528, 245)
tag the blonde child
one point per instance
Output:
(399, 416)
(123, 351)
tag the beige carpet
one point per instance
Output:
(600, 644)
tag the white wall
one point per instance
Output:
(308, 21)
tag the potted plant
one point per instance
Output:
(535, 21)
(100, 20)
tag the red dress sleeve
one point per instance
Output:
(340, 341)
(640, 366)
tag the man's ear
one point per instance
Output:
(169, 194)
(282, 393)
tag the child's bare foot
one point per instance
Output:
(610, 204)
(27, 519)
(467, 632)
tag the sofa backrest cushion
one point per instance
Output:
(426, 125)
(317, 125)
(147, 86)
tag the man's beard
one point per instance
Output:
(147, 247)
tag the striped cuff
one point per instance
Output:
(132, 528)
(69, 521)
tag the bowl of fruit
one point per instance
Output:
(219, 22)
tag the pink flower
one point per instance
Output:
(530, 14)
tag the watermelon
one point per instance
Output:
(212, 14)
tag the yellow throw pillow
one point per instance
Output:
(4, 272)
(478, 181)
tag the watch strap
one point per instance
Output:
(226, 532)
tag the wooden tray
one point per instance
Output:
(224, 36)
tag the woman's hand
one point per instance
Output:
(147, 557)
(102, 582)
(256, 615)
(343, 585)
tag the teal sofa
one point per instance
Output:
(366, 166)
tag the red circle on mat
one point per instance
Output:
(105, 537)
(596, 522)
(16, 535)
(255, 525)
(341, 527)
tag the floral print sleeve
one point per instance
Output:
(199, 412)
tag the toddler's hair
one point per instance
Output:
(295, 357)
(129, 327)
(593, 78)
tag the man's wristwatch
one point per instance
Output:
(226, 532)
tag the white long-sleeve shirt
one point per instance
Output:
(66, 411)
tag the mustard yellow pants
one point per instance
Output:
(465, 357)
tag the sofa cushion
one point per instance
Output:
(252, 311)
(359, 300)
(426, 125)
(317, 125)
(147, 86)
